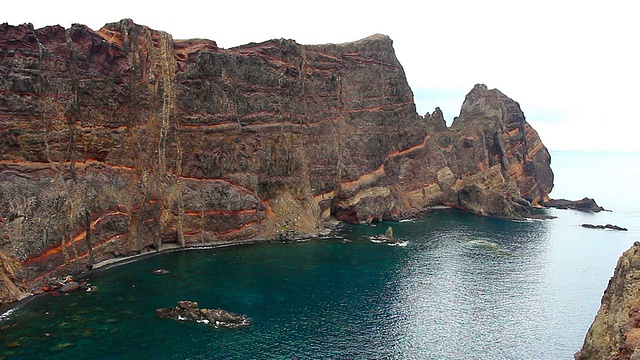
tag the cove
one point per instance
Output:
(464, 286)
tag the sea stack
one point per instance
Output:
(123, 141)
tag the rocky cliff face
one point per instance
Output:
(123, 141)
(615, 332)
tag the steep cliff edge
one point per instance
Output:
(122, 141)
(615, 331)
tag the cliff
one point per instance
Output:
(615, 331)
(123, 141)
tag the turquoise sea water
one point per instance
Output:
(464, 287)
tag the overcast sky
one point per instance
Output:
(574, 66)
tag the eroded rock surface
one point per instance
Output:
(123, 140)
(615, 331)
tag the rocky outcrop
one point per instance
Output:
(387, 238)
(499, 157)
(123, 141)
(189, 311)
(602, 227)
(615, 331)
(585, 204)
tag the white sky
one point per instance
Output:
(574, 66)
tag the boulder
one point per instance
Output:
(69, 287)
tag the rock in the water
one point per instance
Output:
(615, 227)
(69, 287)
(615, 331)
(585, 204)
(389, 234)
(387, 238)
(189, 311)
(608, 226)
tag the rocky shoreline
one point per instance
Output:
(53, 284)
(386, 238)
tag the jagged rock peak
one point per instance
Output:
(436, 119)
(489, 105)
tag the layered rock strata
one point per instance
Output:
(615, 331)
(122, 141)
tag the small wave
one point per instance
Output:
(528, 220)
(399, 243)
(378, 240)
(6, 314)
(375, 239)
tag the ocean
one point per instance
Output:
(463, 287)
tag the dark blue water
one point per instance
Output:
(464, 287)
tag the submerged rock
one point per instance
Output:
(70, 286)
(63, 346)
(189, 311)
(490, 246)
